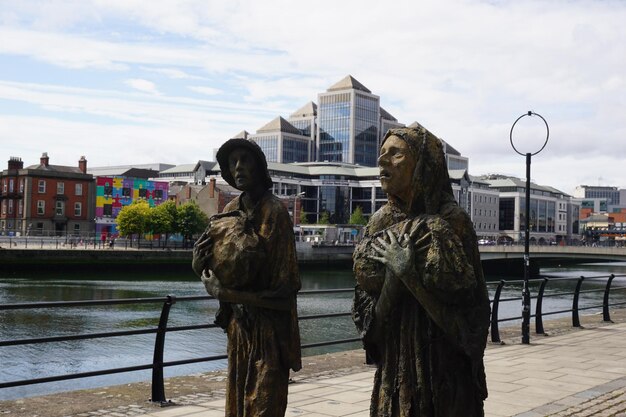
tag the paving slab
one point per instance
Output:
(563, 375)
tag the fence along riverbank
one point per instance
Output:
(158, 363)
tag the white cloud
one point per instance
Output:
(173, 73)
(466, 69)
(142, 85)
(209, 91)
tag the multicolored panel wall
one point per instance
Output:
(113, 193)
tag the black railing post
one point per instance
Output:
(495, 333)
(606, 316)
(538, 308)
(158, 386)
(575, 316)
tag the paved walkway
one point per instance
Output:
(576, 374)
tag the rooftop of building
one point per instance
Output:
(111, 170)
(386, 115)
(178, 169)
(279, 124)
(348, 83)
(503, 181)
(308, 110)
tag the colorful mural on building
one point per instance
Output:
(113, 193)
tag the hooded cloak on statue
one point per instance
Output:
(430, 363)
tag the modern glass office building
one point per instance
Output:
(283, 142)
(345, 127)
(349, 125)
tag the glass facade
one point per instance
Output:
(295, 151)
(334, 113)
(542, 215)
(366, 130)
(304, 126)
(362, 197)
(269, 146)
(335, 200)
(457, 163)
(507, 214)
(610, 193)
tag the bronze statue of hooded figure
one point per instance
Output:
(257, 311)
(421, 304)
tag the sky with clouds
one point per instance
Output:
(138, 81)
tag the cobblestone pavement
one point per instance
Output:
(606, 405)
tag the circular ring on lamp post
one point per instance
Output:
(530, 113)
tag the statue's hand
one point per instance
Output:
(211, 283)
(397, 255)
(201, 253)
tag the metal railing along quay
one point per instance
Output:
(157, 365)
(541, 295)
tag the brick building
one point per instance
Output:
(46, 199)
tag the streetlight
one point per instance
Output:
(525, 289)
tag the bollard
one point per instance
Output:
(605, 304)
(538, 308)
(495, 333)
(575, 317)
(158, 387)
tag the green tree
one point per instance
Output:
(324, 218)
(191, 220)
(164, 219)
(357, 217)
(134, 219)
(303, 218)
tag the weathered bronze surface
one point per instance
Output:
(421, 304)
(247, 259)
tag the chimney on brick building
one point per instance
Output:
(44, 160)
(82, 164)
(212, 187)
(15, 163)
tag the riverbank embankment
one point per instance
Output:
(128, 259)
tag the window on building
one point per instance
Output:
(41, 207)
(11, 185)
(4, 185)
(143, 193)
(42, 186)
(20, 207)
(507, 214)
(4, 207)
(126, 192)
(78, 189)
(10, 206)
(108, 189)
(77, 228)
(60, 188)
(59, 208)
(158, 194)
(21, 185)
(78, 209)
(107, 210)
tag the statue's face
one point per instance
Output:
(396, 164)
(243, 168)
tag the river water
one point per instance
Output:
(58, 358)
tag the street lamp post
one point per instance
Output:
(525, 289)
